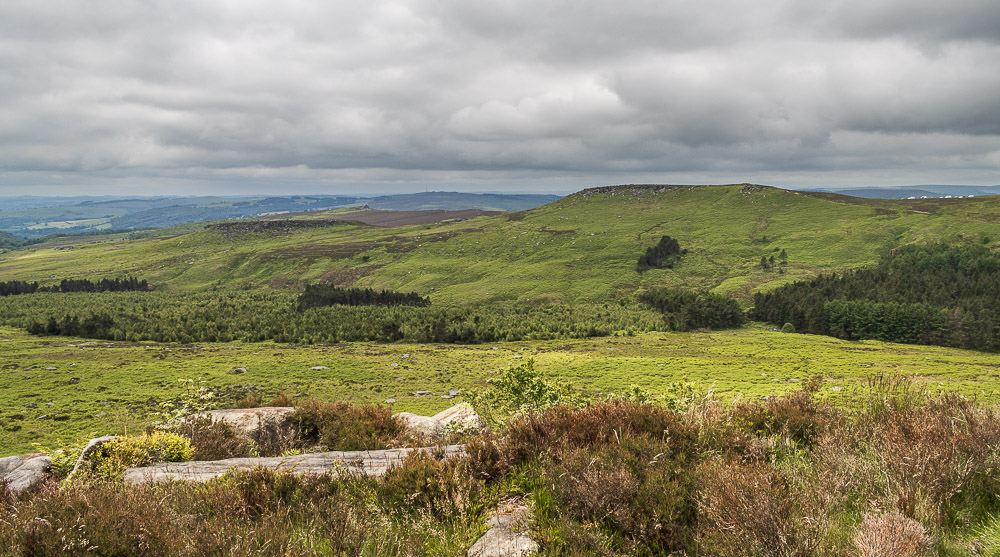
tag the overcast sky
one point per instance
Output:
(346, 96)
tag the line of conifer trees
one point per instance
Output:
(323, 295)
(256, 316)
(686, 310)
(16, 287)
(938, 294)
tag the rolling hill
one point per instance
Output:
(904, 192)
(31, 217)
(583, 247)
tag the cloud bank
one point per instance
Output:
(550, 94)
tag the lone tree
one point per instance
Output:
(661, 256)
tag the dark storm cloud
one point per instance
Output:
(489, 94)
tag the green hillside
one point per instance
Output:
(580, 248)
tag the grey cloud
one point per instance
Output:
(916, 20)
(492, 93)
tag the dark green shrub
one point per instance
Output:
(788, 328)
(687, 310)
(518, 390)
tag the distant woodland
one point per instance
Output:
(329, 315)
(939, 294)
(15, 287)
(685, 310)
(323, 295)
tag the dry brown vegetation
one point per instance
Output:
(900, 475)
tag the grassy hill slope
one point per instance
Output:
(580, 248)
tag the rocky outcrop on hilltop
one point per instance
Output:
(627, 189)
(640, 189)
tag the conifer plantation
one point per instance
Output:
(945, 294)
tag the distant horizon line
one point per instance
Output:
(559, 193)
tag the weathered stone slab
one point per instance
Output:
(10, 463)
(430, 426)
(506, 536)
(371, 463)
(249, 421)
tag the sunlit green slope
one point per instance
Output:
(582, 247)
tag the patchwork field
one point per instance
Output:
(99, 387)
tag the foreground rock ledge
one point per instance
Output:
(24, 471)
(369, 463)
(506, 536)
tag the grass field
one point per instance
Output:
(98, 388)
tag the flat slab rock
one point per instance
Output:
(249, 420)
(24, 471)
(371, 463)
(506, 536)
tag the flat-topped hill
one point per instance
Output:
(583, 247)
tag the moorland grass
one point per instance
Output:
(100, 388)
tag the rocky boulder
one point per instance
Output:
(257, 422)
(421, 426)
(86, 452)
(252, 422)
(462, 415)
(24, 471)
